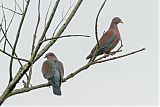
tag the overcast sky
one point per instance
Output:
(131, 80)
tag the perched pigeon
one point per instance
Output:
(53, 71)
(109, 39)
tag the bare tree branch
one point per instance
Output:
(5, 25)
(23, 5)
(46, 29)
(1, 39)
(63, 18)
(54, 38)
(5, 36)
(6, 29)
(17, 38)
(26, 67)
(18, 6)
(96, 23)
(111, 53)
(36, 53)
(11, 19)
(6, 40)
(13, 56)
(33, 43)
(4, 16)
(11, 10)
(96, 31)
(95, 62)
(59, 32)
(23, 90)
(47, 12)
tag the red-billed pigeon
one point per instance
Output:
(109, 40)
(53, 71)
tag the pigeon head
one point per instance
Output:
(50, 56)
(116, 20)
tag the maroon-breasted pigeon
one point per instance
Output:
(109, 39)
(53, 71)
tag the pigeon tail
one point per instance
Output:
(56, 90)
(56, 85)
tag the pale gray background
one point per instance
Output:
(131, 80)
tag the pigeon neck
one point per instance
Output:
(53, 59)
(113, 26)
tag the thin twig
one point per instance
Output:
(11, 19)
(120, 45)
(23, 5)
(4, 46)
(5, 25)
(54, 38)
(18, 6)
(4, 16)
(63, 18)
(22, 59)
(47, 12)
(1, 39)
(11, 10)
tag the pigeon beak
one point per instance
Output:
(45, 57)
(121, 22)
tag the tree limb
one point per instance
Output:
(71, 75)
